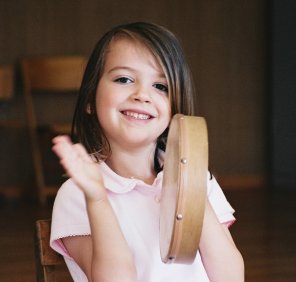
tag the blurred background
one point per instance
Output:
(242, 56)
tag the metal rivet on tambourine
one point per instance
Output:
(179, 216)
(183, 160)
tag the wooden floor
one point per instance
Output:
(265, 233)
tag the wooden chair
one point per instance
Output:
(50, 266)
(7, 89)
(6, 82)
(43, 77)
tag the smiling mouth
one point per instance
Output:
(136, 115)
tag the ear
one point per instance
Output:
(88, 109)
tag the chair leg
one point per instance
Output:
(38, 167)
(38, 266)
(49, 273)
(44, 272)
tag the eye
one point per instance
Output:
(161, 87)
(123, 80)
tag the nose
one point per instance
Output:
(141, 95)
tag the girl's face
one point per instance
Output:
(132, 96)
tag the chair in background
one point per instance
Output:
(6, 82)
(43, 77)
(7, 88)
(11, 127)
(50, 266)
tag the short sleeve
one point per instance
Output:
(69, 216)
(221, 206)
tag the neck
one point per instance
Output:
(138, 163)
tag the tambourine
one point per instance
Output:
(184, 189)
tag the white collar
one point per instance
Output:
(120, 185)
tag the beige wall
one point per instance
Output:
(225, 45)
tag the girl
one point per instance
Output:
(105, 217)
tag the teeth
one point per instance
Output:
(136, 115)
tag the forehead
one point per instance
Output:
(124, 48)
(121, 40)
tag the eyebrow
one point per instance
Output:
(121, 68)
(162, 75)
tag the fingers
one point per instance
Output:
(83, 154)
(79, 166)
(69, 152)
(63, 146)
(61, 138)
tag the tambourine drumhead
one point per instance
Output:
(184, 189)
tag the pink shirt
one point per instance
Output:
(136, 205)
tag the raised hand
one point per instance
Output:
(80, 167)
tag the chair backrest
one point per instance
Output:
(53, 73)
(48, 76)
(48, 261)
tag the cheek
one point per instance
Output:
(102, 104)
(103, 97)
(103, 116)
(164, 109)
(167, 108)
(106, 105)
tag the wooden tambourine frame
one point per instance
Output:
(184, 189)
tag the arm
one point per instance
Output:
(105, 254)
(221, 258)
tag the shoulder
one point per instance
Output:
(69, 199)
(220, 204)
(69, 190)
(213, 187)
(69, 215)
